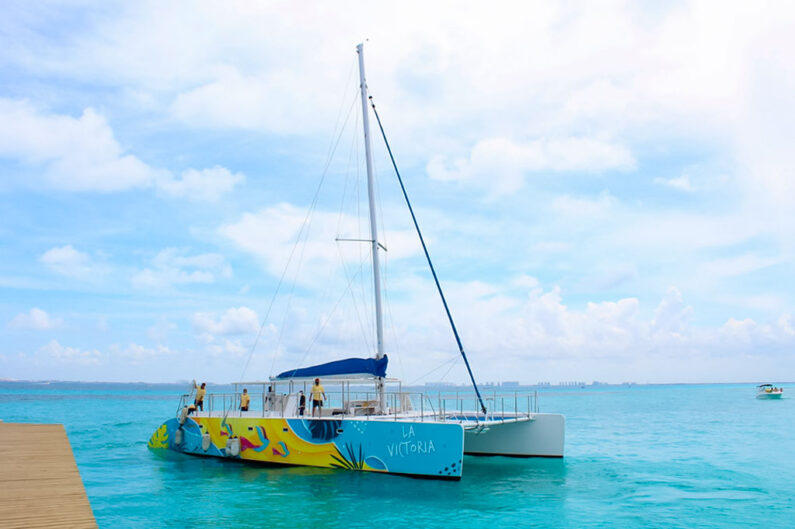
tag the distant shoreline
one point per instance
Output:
(443, 386)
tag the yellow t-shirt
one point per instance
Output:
(317, 392)
(200, 393)
(244, 400)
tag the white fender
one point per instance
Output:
(183, 415)
(233, 447)
(178, 437)
(206, 442)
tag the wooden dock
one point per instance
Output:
(39, 482)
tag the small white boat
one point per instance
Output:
(768, 391)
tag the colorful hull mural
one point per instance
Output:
(413, 448)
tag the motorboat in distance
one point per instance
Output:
(768, 391)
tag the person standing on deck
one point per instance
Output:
(318, 396)
(200, 392)
(245, 398)
(301, 403)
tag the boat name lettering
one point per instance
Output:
(407, 434)
(408, 448)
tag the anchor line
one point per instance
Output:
(428, 258)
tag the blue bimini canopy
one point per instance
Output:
(350, 367)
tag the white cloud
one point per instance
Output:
(228, 349)
(160, 330)
(617, 71)
(270, 235)
(583, 207)
(699, 78)
(525, 281)
(682, 183)
(609, 276)
(544, 337)
(35, 319)
(502, 164)
(69, 262)
(758, 338)
(135, 354)
(234, 321)
(205, 185)
(53, 353)
(672, 317)
(701, 177)
(646, 74)
(79, 154)
(678, 233)
(56, 352)
(232, 100)
(82, 154)
(737, 265)
(173, 266)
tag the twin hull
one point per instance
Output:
(543, 436)
(413, 448)
(397, 447)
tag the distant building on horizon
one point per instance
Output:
(441, 385)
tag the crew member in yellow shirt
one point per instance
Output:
(245, 398)
(200, 392)
(318, 396)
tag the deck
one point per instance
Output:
(39, 483)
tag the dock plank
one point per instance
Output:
(40, 485)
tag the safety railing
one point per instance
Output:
(461, 407)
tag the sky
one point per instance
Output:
(606, 189)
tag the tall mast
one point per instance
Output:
(379, 326)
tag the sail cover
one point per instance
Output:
(349, 367)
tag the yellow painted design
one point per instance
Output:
(300, 452)
(159, 439)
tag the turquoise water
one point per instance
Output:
(642, 456)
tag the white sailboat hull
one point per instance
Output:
(543, 436)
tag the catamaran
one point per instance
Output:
(369, 423)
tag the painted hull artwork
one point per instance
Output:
(397, 447)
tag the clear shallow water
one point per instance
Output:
(645, 456)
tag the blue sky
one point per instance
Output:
(607, 189)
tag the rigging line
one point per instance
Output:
(387, 300)
(385, 263)
(356, 96)
(379, 205)
(353, 298)
(385, 278)
(356, 200)
(363, 289)
(307, 221)
(328, 319)
(395, 335)
(348, 172)
(383, 234)
(452, 365)
(295, 245)
(289, 303)
(352, 178)
(428, 257)
(452, 358)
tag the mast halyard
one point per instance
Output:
(430, 264)
(379, 326)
